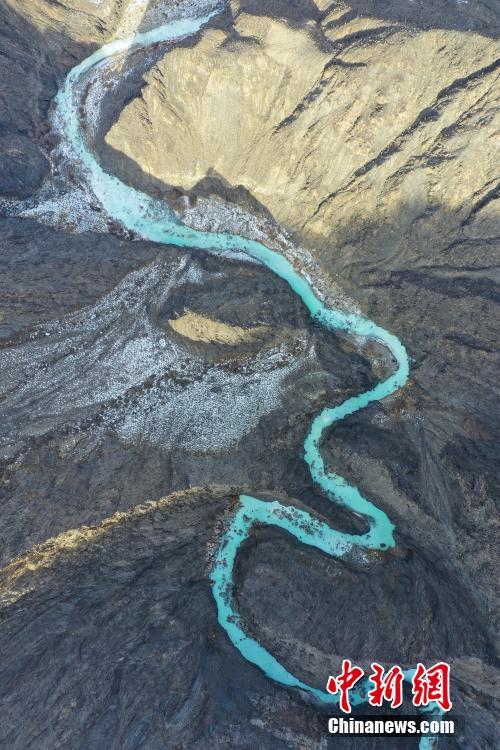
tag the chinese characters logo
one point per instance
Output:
(430, 685)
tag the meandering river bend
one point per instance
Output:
(153, 220)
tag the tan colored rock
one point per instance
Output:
(200, 328)
(90, 21)
(389, 124)
(80, 21)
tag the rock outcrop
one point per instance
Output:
(39, 41)
(333, 124)
(372, 139)
(132, 372)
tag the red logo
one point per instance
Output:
(430, 685)
(387, 687)
(344, 682)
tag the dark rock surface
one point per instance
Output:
(48, 274)
(127, 652)
(108, 631)
(36, 50)
(65, 434)
(24, 70)
(67, 467)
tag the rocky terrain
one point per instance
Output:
(417, 139)
(143, 387)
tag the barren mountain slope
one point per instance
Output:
(376, 142)
(131, 371)
(39, 42)
(332, 124)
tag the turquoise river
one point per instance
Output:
(153, 220)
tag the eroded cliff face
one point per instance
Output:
(333, 124)
(82, 21)
(374, 139)
(368, 130)
(38, 42)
